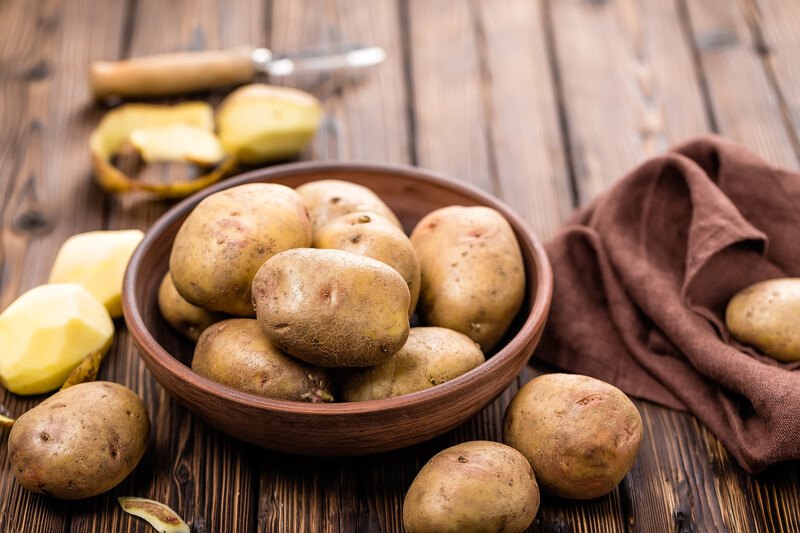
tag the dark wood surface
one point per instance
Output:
(542, 103)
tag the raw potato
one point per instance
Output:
(236, 353)
(228, 236)
(97, 260)
(473, 278)
(767, 315)
(581, 435)
(371, 235)
(327, 200)
(260, 122)
(47, 332)
(190, 320)
(430, 357)
(178, 142)
(332, 308)
(80, 442)
(475, 486)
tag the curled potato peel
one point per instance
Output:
(115, 129)
(159, 515)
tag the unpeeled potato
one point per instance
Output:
(473, 486)
(581, 435)
(374, 236)
(190, 320)
(767, 315)
(80, 442)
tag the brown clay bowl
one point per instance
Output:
(337, 429)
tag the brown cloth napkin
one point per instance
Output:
(642, 278)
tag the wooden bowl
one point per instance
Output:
(337, 429)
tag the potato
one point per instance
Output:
(47, 332)
(80, 442)
(767, 315)
(332, 308)
(236, 353)
(372, 235)
(429, 357)
(581, 435)
(228, 236)
(260, 122)
(474, 486)
(190, 320)
(97, 260)
(330, 199)
(473, 278)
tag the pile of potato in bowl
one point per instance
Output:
(319, 330)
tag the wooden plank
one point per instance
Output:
(774, 24)
(451, 101)
(526, 141)
(619, 62)
(206, 476)
(744, 102)
(45, 47)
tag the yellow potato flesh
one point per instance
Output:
(259, 122)
(97, 260)
(177, 142)
(46, 333)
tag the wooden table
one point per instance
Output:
(545, 104)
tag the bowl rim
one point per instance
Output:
(151, 350)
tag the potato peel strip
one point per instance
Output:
(87, 369)
(115, 128)
(6, 422)
(159, 515)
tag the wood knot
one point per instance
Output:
(31, 222)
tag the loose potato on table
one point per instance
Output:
(47, 332)
(767, 315)
(228, 236)
(80, 442)
(374, 236)
(97, 261)
(430, 357)
(473, 277)
(332, 308)
(190, 320)
(330, 199)
(581, 435)
(236, 353)
(475, 486)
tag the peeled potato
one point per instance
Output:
(47, 332)
(178, 142)
(260, 122)
(97, 261)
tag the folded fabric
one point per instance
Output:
(642, 278)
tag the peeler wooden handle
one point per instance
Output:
(169, 74)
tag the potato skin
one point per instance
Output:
(332, 308)
(473, 277)
(236, 353)
(327, 200)
(581, 435)
(80, 442)
(190, 320)
(228, 236)
(430, 357)
(371, 235)
(474, 486)
(767, 315)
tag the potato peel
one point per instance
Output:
(159, 515)
(87, 369)
(6, 422)
(114, 130)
